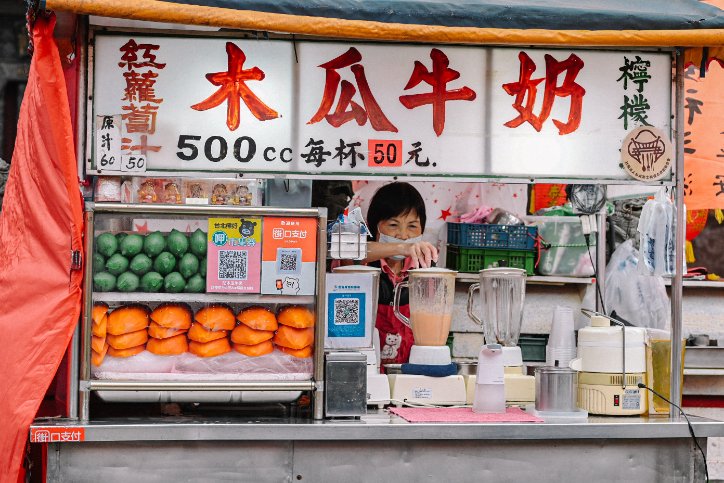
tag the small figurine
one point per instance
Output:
(196, 190)
(171, 194)
(242, 196)
(147, 192)
(219, 195)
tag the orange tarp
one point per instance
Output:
(40, 225)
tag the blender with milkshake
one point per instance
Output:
(430, 377)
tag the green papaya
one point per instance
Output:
(188, 265)
(195, 284)
(198, 243)
(141, 264)
(202, 267)
(164, 264)
(127, 282)
(131, 245)
(174, 283)
(151, 282)
(106, 244)
(104, 281)
(177, 243)
(154, 243)
(99, 263)
(117, 264)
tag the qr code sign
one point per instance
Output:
(233, 264)
(346, 311)
(288, 262)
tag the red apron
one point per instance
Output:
(395, 337)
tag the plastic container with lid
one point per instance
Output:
(600, 346)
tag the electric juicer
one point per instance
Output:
(431, 294)
(502, 294)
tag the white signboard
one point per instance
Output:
(185, 103)
(358, 109)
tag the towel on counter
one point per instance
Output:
(463, 415)
(430, 370)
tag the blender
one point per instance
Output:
(431, 294)
(502, 294)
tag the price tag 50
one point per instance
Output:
(133, 163)
(384, 153)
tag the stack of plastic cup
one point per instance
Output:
(561, 348)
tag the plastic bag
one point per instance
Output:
(639, 299)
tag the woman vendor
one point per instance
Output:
(396, 219)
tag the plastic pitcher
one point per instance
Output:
(432, 292)
(502, 293)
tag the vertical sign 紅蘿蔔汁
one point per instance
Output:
(289, 255)
(234, 255)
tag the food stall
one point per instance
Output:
(176, 158)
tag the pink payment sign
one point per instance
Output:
(234, 255)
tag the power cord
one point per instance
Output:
(588, 225)
(691, 428)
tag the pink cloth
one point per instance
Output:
(463, 415)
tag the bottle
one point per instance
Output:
(490, 382)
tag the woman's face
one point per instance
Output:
(402, 226)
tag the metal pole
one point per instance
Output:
(601, 259)
(86, 320)
(680, 224)
(319, 330)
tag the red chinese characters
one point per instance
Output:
(141, 105)
(526, 89)
(233, 87)
(347, 109)
(440, 76)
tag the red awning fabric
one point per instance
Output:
(40, 225)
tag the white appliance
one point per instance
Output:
(605, 386)
(378, 387)
(502, 295)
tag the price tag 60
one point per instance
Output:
(384, 153)
(133, 163)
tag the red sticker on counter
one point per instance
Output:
(384, 153)
(57, 434)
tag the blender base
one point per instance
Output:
(430, 355)
(426, 390)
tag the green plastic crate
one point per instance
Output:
(475, 259)
(533, 347)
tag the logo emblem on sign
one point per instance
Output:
(646, 153)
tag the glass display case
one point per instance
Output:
(202, 304)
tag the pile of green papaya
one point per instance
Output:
(130, 262)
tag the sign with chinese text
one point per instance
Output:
(289, 253)
(57, 434)
(108, 143)
(704, 138)
(361, 109)
(350, 315)
(234, 255)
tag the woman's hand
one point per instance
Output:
(422, 253)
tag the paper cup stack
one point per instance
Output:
(561, 348)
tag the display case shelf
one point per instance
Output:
(203, 298)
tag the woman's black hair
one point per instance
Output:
(393, 200)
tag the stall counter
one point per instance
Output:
(377, 447)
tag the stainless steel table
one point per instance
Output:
(378, 448)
